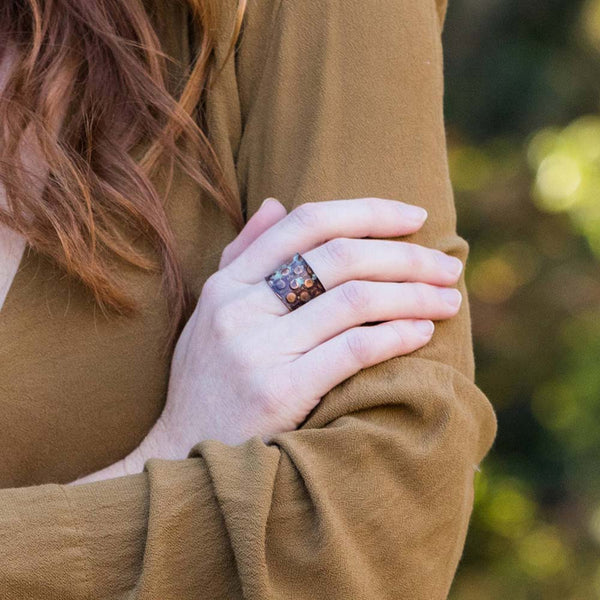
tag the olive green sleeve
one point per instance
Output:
(372, 496)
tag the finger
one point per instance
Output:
(270, 212)
(343, 259)
(313, 223)
(356, 302)
(333, 361)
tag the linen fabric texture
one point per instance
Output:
(371, 497)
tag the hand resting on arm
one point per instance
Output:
(245, 366)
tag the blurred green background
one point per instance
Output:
(523, 122)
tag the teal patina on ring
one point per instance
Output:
(295, 283)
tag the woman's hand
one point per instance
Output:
(244, 365)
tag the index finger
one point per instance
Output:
(313, 223)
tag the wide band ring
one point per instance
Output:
(295, 283)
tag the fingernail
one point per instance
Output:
(415, 213)
(451, 264)
(425, 328)
(451, 296)
(263, 202)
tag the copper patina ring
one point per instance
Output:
(295, 283)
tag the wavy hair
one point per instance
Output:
(97, 68)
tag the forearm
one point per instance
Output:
(154, 445)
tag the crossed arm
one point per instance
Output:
(371, 497)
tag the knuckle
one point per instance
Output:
(374, 206)
(422, 295)
(356, 295)
(399, 331)
(226, 253)
(212, 286)
(223, 321)
(412, 258)
(358, 346)
(338, 252)
(306, 216)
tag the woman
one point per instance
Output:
(321, 449)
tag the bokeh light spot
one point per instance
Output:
(493, 280)
(558, 179)
(510, 512)
(542, 552)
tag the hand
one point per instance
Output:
(244, 365)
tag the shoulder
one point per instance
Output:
(319, 14)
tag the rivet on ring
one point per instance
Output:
(292, 290)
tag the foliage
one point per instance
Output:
(523, 116)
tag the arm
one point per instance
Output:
(371, 497)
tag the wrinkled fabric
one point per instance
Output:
(371, 497)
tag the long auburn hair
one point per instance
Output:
(97, 67)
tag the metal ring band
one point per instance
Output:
(295, 283)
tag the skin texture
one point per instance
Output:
(227, 350)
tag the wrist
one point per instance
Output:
(158, 443)
(112, 471)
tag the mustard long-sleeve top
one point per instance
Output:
(371, 497)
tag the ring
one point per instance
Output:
(295, 283)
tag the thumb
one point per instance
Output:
(270, 212)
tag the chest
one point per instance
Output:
(79, 390)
